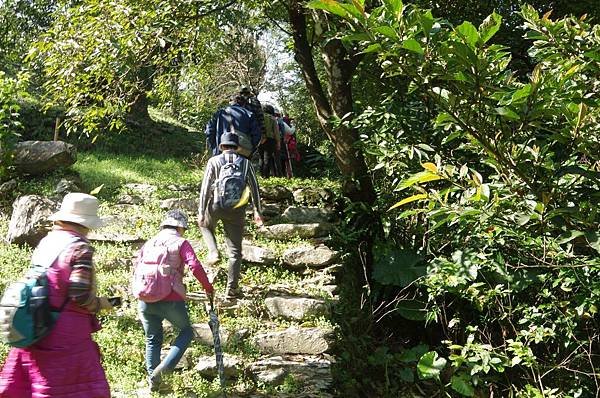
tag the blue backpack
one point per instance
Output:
(230, 185)
(25, 312)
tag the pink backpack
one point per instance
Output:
(154, 276)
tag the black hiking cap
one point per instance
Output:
(230, 139)
(245, 91)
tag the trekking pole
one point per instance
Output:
(290, 172)
(213, 323)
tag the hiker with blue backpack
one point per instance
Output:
(158, 284)
(53, 353)
(234, 118)
(228, 184)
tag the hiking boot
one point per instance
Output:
(211, 259)
(233, 294)
(154, 383)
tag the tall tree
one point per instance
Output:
(332, 106)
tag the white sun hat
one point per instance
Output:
(79, 208)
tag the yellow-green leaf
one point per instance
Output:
(430, 166)
(96, 190)
(409, 199)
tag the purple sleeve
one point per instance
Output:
(189, 257)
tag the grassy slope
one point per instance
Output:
(111, 165)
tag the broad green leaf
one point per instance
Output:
(373, 48)
(489, 27)
(462, 385)
(331, 6)
(521, 93)
(593, 239)
(352, 10)
(413, 310)
(426, 21)
(356, 37)
(397, 267)
(468, 32)
(507, 113)
(569, 236)
(387, 31)
(395, 7)
(409, 200)
(407, 375)
(430, 366)
(412, 45)
(413, 354)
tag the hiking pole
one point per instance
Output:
(213, 324)
(290, 172)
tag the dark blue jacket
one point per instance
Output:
(243, 121)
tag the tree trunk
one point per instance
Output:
(358, 186)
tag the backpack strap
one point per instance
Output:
(47, 253)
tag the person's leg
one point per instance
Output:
(208, 234)
(233, 224)
(152, 323)
(176, 313)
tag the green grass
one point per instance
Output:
(113, 171)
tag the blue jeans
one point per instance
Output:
(152, 315)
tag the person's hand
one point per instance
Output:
(104, 303)
(278, 146)
(258, 220)
(211, 295)
(202, 222)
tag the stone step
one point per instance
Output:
(294, 340)
(284, 232)
(296, 307)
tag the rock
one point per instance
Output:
(41, 157)
(272, 377)
(29, 221)
(312, 371)
(271, 210)
(142, 190)
(308, 256)
(183, 188)
(190, 206)
(207, 367)
(307, 215)
(203, 334)
(296, 308)
(310, 341)
(126, 199)
(7, 188)
(276, 194)
(68, 185)
(313, 196)
(291, 231)
(257, 254)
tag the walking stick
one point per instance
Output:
(213, 323)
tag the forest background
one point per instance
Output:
(465, 136)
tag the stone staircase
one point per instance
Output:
(300, 222)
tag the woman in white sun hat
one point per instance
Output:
(66, 362)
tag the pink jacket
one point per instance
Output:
(65, 363)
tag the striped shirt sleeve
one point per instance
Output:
(82, 282)
(206, 190)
